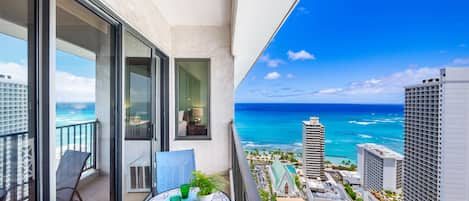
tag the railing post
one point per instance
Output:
(244, 185)
(96, 123)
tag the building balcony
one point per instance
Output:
(16, 158)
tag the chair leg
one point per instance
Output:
(78, 195)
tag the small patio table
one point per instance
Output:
(218, 196)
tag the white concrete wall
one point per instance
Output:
(144, 16)
(207, 42)
(102, 109)
(212, 42)
(360, 164)
(455, 135)
(389, 174)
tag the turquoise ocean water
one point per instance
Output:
(72, 113)
(279, 126)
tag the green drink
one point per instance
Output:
(185, 188)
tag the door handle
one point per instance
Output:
(152, 130)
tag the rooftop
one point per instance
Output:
(381, 151)
(312, 121)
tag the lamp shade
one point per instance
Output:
(197, 112)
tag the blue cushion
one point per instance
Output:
(173, 169)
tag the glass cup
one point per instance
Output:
(185, 188)
(175, 198)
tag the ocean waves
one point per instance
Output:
(366, 122)
(295, 147)
(280, 126)
(365, 136)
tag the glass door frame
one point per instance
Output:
(41, 58)
(41, 49)
(161, 104)
(49, 53)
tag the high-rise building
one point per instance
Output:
(380, 168)
(14, 148)
(436, 138)
(13, 106)
(313, 149)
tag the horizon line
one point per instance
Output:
(319, 103)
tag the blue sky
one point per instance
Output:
(75, 76)
(358, 51)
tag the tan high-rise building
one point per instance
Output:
(313, 149)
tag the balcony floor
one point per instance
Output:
(96, 188)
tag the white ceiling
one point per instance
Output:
(195, 12)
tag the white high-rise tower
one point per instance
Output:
(436, 163)
(13, 105)
(313, 149)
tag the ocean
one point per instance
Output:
(279, 126)
(72, 113)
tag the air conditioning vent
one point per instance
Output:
(139, 177)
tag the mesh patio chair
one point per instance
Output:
(68, 174)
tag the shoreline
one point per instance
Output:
(333, 159)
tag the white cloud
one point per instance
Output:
(300, 55)
(72, 88)
(392, 84)
(69, 87)
(330, 91)
(272, 76)
(303, 10)
(462, 45)
(289, 75)
(17, 72)
(461, 61)
(270, 61)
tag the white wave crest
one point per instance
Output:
(364, 123)
(365, 136)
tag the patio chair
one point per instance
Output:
(68, 174)
(173, 168)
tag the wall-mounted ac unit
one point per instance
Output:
(139, 176)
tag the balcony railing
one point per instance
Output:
(245, 188)
(16, 155)
(15, 164)
(78, 137)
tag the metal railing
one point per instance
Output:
(245, 188)
(78, 137)
(16, 155)
(15, 165)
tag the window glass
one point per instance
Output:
(193, 112)
(136, 151)
(16, 140)
(83, 137)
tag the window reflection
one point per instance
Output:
(138, 80)
(83, 137)
(16, 141)
(193, 98)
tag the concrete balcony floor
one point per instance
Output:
(97, 189)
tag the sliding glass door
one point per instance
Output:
(139, 106)
(84, 135)
(17, 138)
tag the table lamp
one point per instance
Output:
(197, 113)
